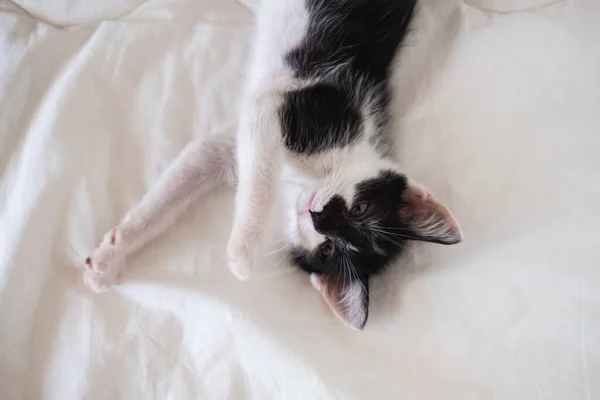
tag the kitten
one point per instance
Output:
(317, 102)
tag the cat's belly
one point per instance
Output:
(300, 175)
(321, 165)
(315, 167)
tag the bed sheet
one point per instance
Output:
(96, 98)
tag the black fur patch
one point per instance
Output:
(318, 117)
(362, 33)
(348, 50)
(359, 39)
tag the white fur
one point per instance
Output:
(343, 170)
(257, 153)
(201, 166)
(281, 26)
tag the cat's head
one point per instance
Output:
(355, 224)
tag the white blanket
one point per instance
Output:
(97, 97)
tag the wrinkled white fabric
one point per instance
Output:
(96, 98)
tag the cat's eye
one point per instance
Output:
(359, 209)
(327, 249)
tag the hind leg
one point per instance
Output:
(203, 165)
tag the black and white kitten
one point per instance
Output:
(316, 113)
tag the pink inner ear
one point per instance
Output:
(346, 301)
(429, 218)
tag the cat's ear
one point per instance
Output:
(348, 299)
(427, 218)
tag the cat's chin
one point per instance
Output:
(299, 200)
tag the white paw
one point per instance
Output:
(239, 260)
(103, 266)
(99, 283)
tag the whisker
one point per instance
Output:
(393, 241)
(281, 240)
(379, 220)
(279, 249)
(288, 182)
(356, 276)
(337, 182)
(391, 228)
(393, 234)
(280, 261)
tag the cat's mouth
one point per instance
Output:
(307, 236)
(306, 206)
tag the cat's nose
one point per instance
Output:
(323, 222)
(317, 217)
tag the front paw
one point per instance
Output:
(239, 260)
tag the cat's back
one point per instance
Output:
(308, 38)
(363, 35)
